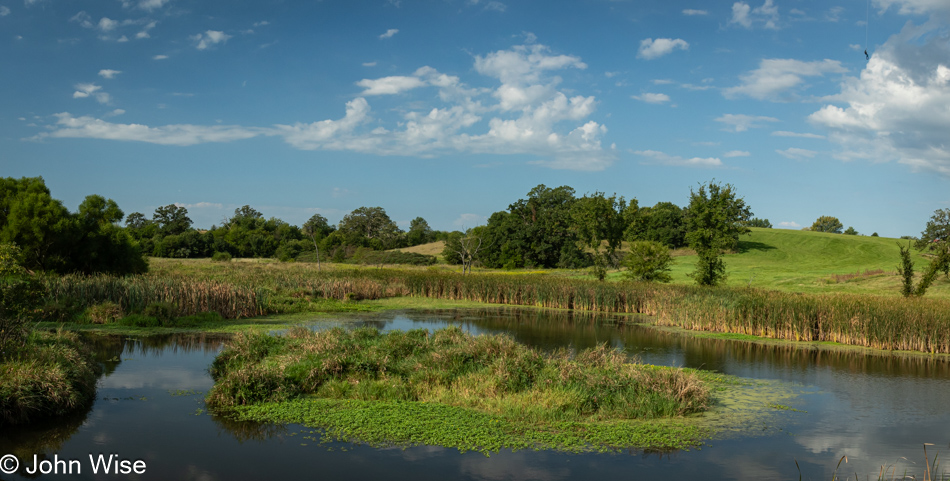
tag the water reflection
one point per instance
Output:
(874, 409)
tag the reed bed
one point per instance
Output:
(913, 324)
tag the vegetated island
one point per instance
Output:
(457, 390)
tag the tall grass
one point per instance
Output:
(878, 322)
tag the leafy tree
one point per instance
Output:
(370, 227)
(419, 232)
(714, 220)
(665, 223)
(940, 262)
(464, 248)
(827, 223)
(40, 225)
(20, 294)
(648, 261)
(874, 234)
(598, 223)
(756, 222)
(850, 231)
(316, 228)
(936, 232)
(171, 219)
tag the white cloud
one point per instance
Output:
(651, 49)
(144, 32)
(741, 123)
(200, 205)
(652, 98)
(775, 76)
(109, 73)
(690, 11)
(748, 17)
(389, 33)
(666, 159)
(87, 90)
(107, 25)
(369, 64)
(209, 39)
(899, 108)
(788, 225)
(160, 57)
(914, 7)
(147, 5)
(795, 153)
(736, 153)
(783, 133)
(115, 113)
(68, 126)
(4, 10)
(525, 114)
(496, 6)
(389, 85)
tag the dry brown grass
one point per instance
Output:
(430, 249)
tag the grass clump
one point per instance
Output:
(51, 374)
(407, 379)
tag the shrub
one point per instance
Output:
(104, 313)
(221, 257)
(648, 261)
(164, 312)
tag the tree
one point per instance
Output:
(850, 231)
(936, 232)
(648, 261)
(37, 223)
(464, 248)
(715, 218)
(940, 262)
(756, 222)
(827, 223)
(598, 220)
(316, 228)
(171, 219)
(665, 223)
(419, 232)
(369, 227)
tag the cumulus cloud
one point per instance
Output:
(788, 225)
(147, 5)
(209, 39)
(914, 7)
(899, 108)
(651, 49)
(652, 98)
(741, 122)
(666, 159)
(776, 76)
(389, 33)
(795, 153)
(4, 10)
(109, 73)
(525, 113)
(87, 90)
(765, 16)
(160, 57)
(691, 12)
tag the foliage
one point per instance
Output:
(850, 231)
(648, 261)
(221, 257)
(936, 232)
(464, 248)
(397, 257)
(165, 312)
(715, 219)
(827, 223)
(665, 223)
(104, 312)
(419, 232)
(20, 296)
(51, 374)
(756, 222)
(171, 219)
(370, 227)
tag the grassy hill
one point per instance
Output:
(803, 261)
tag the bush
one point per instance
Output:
(221, 257)
(104, 313)
(162, 311)
(648, 261)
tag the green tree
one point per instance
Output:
(648, 261)
(370, 227)
(40, 225)
(419, 232)
(665, 223)
(316, 228)
(715, 218)
(827, 223)
(171, 219)
(598, 223)
(464, 248)
(850, 231)
(936, 232)
(20, 294)
(756, 222)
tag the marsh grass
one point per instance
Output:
(51, 374)
(488, 376)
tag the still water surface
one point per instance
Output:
(874, 409)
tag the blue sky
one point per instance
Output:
(452, 109)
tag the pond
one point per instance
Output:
(876, 410)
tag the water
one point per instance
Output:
(874, 409)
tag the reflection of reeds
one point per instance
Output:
(869, 321)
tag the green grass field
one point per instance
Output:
(802, 261)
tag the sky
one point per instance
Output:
(453, 109)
